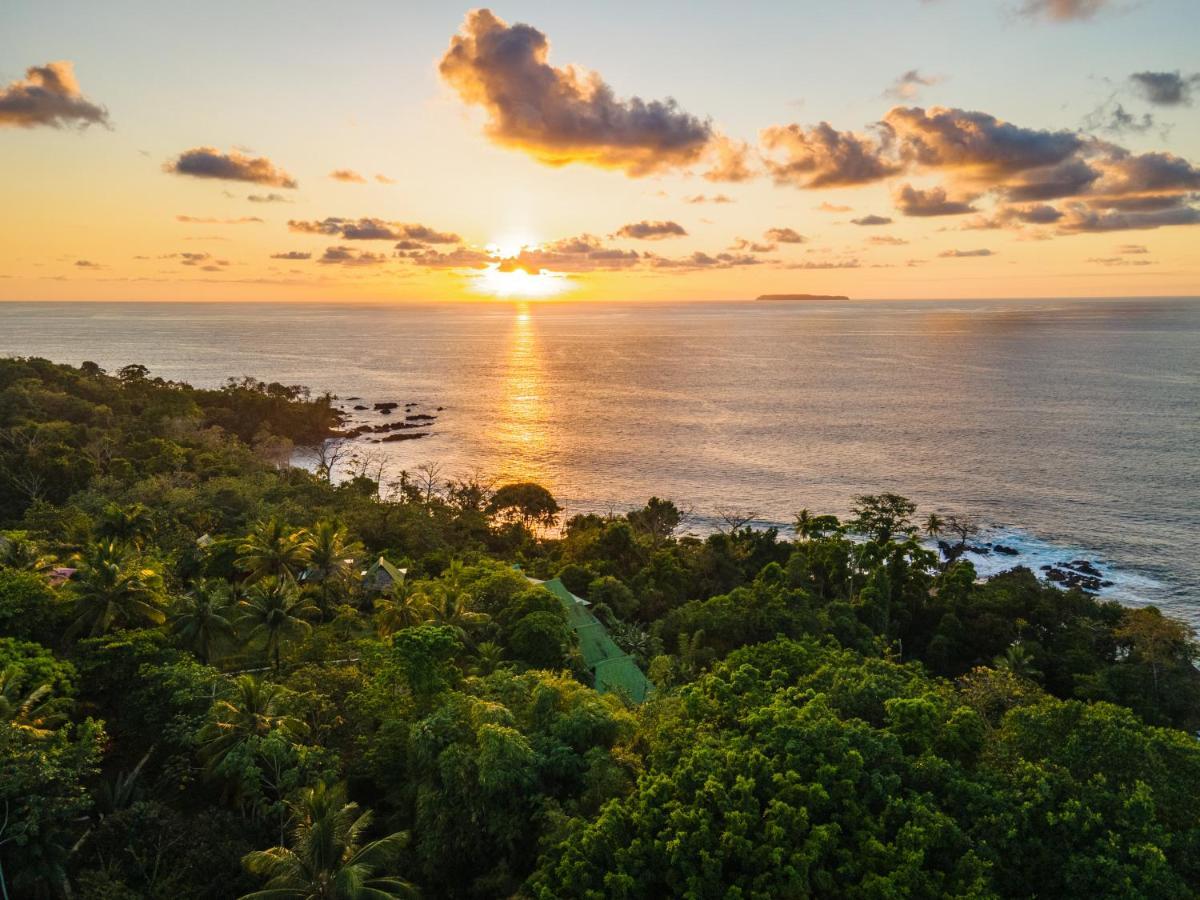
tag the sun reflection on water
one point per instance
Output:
(522, 442)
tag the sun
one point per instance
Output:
(501, 281)
(511, 276)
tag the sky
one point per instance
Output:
(889, 149)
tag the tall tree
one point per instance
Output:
(112, 591)
(254, 709)
(328, 859)
(202, 618)
(274, 549)
(275, 611)
(130, 525)
(883, 516)
(332, 557)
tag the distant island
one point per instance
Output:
(779, 297)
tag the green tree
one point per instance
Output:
(112, 591)
(526, 502)
(402, 608)
(29, 708)
(273, 550)
(331, 563)
(934, 525)
(883, 516)
(130, 525)
(328, 859)
(202, 619)
(254, 709)
(276, 612)
(658, 520)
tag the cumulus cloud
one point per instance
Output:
(1082, 219)
(370, 229)
(1123, 173)
(908, 85)
(349, 176)
(972, 141)
(784, 236)
(87, 264)
(383, 179)
(345, 256)
(209, 220)
(965, 254)
(871, 220)
(650, 231)
(1062, 10)
(562, 115)
(912, 201)
(1066, 179)
(822, 156)
(729, 160)
(267, 198)
(209, 162)
(1165, 88)
(833, 208)
(49, 96)
(292, 254)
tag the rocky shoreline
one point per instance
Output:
(354, 425)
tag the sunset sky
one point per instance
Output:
(400, 151)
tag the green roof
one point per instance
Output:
(396, 575)
(613, 668)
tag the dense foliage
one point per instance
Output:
(201, 695)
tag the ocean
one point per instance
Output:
(1068, 428)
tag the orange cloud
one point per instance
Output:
(209, 162)
(569, 114)
(822, 156)
(347, 175)
(48, 95)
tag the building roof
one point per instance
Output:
(381, 564)
(612, 668)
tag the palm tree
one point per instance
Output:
(201, 619)
(35, 713)
(255, 709)
(1018, 660)
(327, 859)
(275, 611)
(18, 553)
(934, 525)
(403, 609)
(126, 524)
(490, 658)
(111, 593)
(452, 609)
(803, 526)
(273, 549)
(331, 560)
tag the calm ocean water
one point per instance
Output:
(1069, 427)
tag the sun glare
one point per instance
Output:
(508, 277)
(501, 282)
